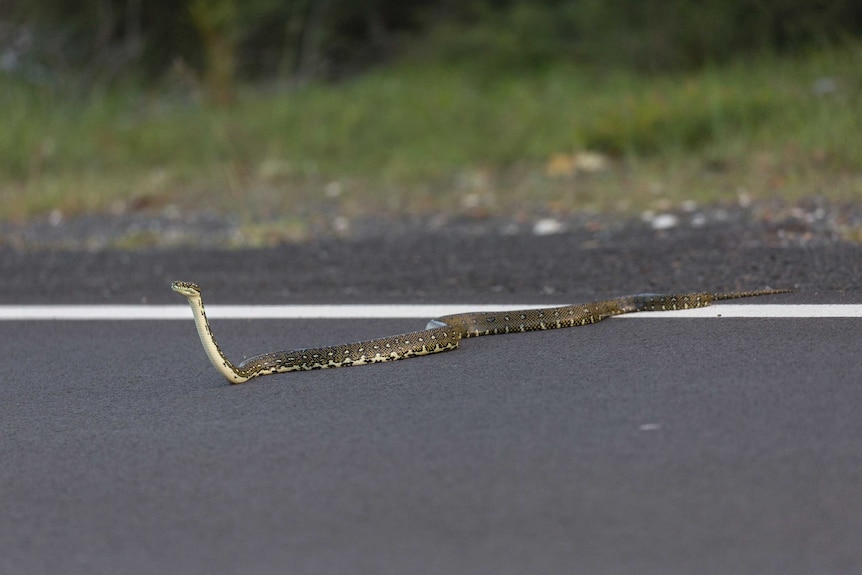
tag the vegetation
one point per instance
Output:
(492, 109)
(105, 41)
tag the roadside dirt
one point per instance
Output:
(441, 259)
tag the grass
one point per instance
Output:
(419, 139)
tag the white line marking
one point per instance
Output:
(758, 310)
(166, 312)
(163, 312)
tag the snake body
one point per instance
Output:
(441, 334)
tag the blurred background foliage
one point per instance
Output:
(98, 42)
(309, 107)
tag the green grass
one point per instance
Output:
(416, 139)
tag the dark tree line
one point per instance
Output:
(100, 41)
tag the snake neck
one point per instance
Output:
(222, 364)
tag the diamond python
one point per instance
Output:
(441, 333)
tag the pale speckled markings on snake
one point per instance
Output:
(441, 334)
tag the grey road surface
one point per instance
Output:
(649, 446)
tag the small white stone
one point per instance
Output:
(471, 201)
(689, 206)
(55, 218)
(591, 162)
(509, 229)
(650, 426)
(341, 224)
(547, 227)
(698, 220)
(664, 221)
(333, 189)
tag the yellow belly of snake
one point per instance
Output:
(443, 333)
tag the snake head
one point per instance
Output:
(186, 289)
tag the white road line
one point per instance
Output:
(166, 312)
(759, 310)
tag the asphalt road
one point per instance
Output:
(660, 446)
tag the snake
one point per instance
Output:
(441, 334)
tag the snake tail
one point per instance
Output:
(669, 302)
(753, 293)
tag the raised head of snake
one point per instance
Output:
(224, 366)
(442, 333)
